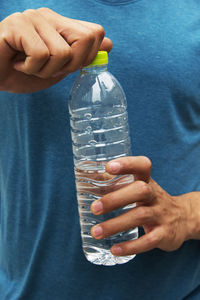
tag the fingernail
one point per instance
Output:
(116, 250)
(114, 166)
(97, 231)
(97, 206)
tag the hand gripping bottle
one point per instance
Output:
(100, 133)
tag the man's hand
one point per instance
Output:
(40, 47)
(167, 221)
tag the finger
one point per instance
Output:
(140, 166)
(7, 51)
(135, 192)
(137, 216)
(59, 50)
(79, 37)
(81, 46)
(7, 54)
(106, 45)
(26, 40)
(85, 47)
(59, 20)
(145, 243)
(83, 37)
(99, 34)
(101, 43)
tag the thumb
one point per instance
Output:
(106, 45)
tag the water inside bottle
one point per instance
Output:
(92, 182)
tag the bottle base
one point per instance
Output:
(106, 258)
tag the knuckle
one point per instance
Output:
(89, 37)
(100, 31)
(42, 54)
(144, 188)
(147, 162)
(44, 10)
(12, 25)
(43, 75)
(143, 214)
(29, 12)
(16, 15)
(170, 232)
(152, 240)
(13, 19)
(64, 54)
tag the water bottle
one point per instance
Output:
(100, 133)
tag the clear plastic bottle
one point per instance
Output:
(100, 132)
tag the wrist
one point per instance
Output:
(190, 203)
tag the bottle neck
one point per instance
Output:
(94, 69)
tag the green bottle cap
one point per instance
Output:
(100, 59)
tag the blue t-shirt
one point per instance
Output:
(156, 58)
